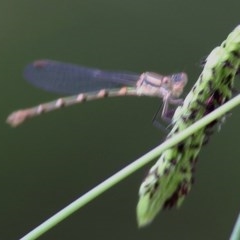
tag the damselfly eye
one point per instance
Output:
(177, 78)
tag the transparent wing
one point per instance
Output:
(72, 79)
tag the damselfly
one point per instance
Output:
(91, 84)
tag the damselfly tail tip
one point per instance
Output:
(16, 118)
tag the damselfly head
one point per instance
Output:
(179, 81)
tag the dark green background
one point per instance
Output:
(50, 161)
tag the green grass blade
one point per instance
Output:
(236, 230)
(170, 179)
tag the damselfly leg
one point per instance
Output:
(165, 112)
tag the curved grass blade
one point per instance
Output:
(170, 179)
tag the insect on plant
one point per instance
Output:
(91, 84)
(170, 179)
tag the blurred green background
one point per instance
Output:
(51, 160)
